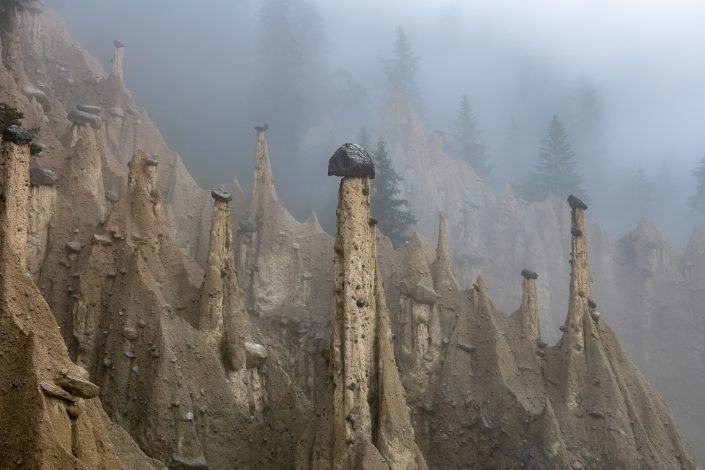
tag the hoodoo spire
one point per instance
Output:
(529, 307)
(443, 278)
(14, 193)
(578, 305)
(220, 307)
(371, 426)
(118, 59)
(580, 279)
(263, 182)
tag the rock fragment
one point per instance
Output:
(42, 177)
(256, 355)
(81, 118)
(78, 386)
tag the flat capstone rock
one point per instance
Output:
(152, 162)
(90, 109)
(262, 128)
(576, 203)
(219, 194)
(78, 386)
(18, 135)
(53, 391)
(351, 160)
(42, 177)
(527, 274)
(81, 118)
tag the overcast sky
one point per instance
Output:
(519, 61)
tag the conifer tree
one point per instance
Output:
(466, 139)
(391, 211)
(555, 171)
(401, 69)
(697, 200)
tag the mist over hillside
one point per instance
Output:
(622, 77)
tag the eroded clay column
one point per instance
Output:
(14, 193)
(118, 58)
(529, 306)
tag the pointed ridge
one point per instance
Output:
(263, 180)
(313, 222)
(443, 278)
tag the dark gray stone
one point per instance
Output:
(576, 203)
(592, 304)
(262, 128)
(183, 463)
(74, 246)
(576, 232)
(16, 134)
(221, 195)
(351, 160)
(152, 162)
(78, 386)
(39, 95)
(527, 274)
(42, 177)
(90, 109)
(595, 315)
(81, 118)
(112, 196)
(53, 391)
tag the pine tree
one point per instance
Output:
(394, 218)
(697, 200)
(467, 142)
(11, 116)
(555, 171)
(401, 69)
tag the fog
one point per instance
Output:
(625, 78)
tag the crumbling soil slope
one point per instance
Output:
(48, 411)
(179, 364)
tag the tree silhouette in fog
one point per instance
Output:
(466, 139)
(697, 200)
(555, 171)
(402, 67)
(391, 211)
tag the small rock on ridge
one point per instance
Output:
(262, 128)
(80, 118)
(219, 194)
(576, 203)
(527, 274)
(18, 135)
(78, 386)
(351, 160)
(256, 355)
